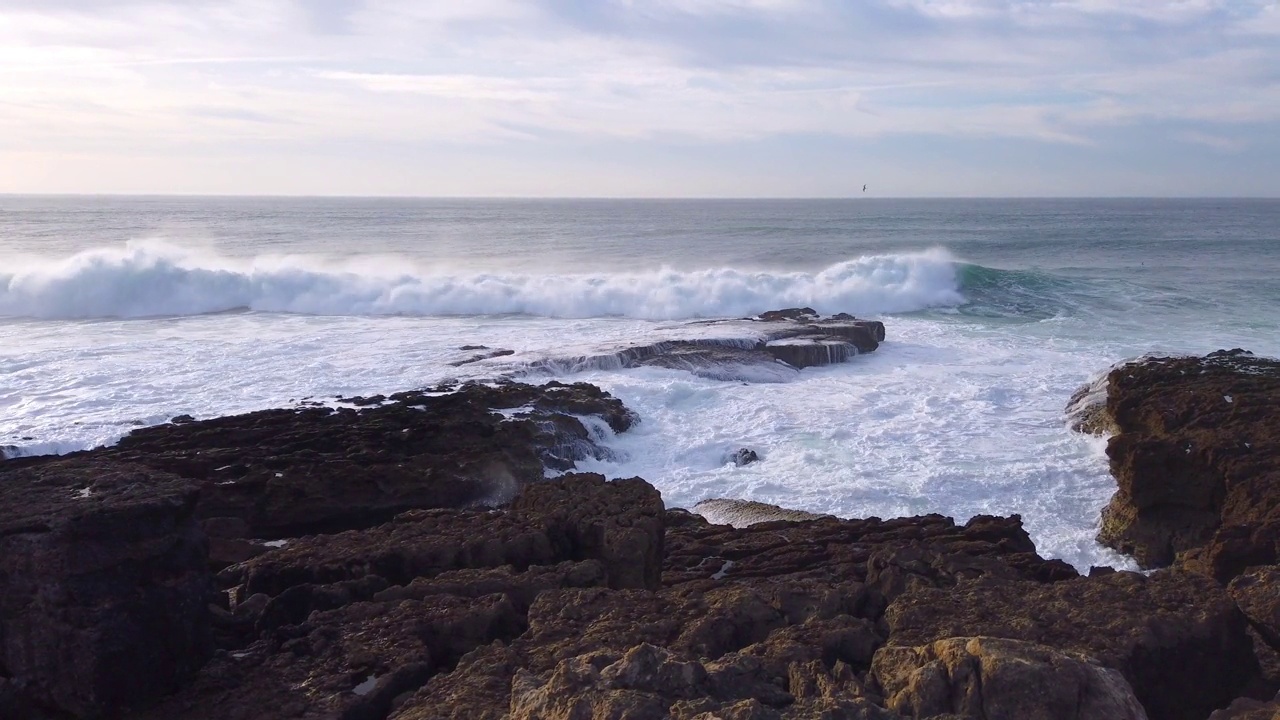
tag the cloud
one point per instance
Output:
(238, 76)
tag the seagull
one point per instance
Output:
(864, 188)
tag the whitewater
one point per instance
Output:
(122, 312)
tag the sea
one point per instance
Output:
(120, 312)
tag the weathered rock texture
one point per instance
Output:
(1196, 455)
(104, 583)
(394, 592)
(774, 345)
(292, 472)
(1001, 680)
(1175, 636)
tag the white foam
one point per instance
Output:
(149, 278)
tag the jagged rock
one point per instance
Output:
(295, 472)
(994, 678)
(1176, 637)
(932, 549)
(104, 586)
(743, 456)
(1196, 456)
(1249, 709)
(618, 523)
(1257, 593)
(350, 662)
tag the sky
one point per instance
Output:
(641, 98)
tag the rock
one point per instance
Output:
(294, 472)
(1257, 593)
(1249, 709)
(1196, 456)
(104, 586)
(743, 456)
(771, 348)
(1176, 637)
(488, 354)
(796, 314)
(579, 517)
(619, 523)
(743, 513)
(998, 679)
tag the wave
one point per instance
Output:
(1027, 295)
(150, 279)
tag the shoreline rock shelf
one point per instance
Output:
(420, 566)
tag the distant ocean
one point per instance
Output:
(120, 312)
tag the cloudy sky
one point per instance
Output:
(641, 97)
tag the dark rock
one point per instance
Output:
(287, 473)
(796, 314)
(486, 355)
(1249, 709)
(1196, 456)
(181, 419)
(744, 456)
(1257, 593)
(772, 348)
(1176, 637)
(104, 587)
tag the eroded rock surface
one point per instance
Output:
(1177, 637)
(293, 472)
(104, 583)
(995, 678)
(1196, 455)
(769, 348)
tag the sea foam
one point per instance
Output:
(151, 279)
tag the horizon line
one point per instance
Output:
(748, 198)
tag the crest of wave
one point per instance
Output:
(145, 279)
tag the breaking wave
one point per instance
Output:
(150, 279)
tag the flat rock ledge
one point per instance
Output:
(771, 347)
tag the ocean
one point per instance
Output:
(122, 312)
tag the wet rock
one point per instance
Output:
(488, 354)
(1176, 637)
(997, 678)
(743, 513)
(104, 586)
(743, 456)
(1196, 456)
(796, 314)
(771, 348)
(294, 472)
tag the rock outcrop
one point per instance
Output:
(104, 584)
(771, 347)
(1196, 455)
(994, 678)
(1177, 637)
(421, 566)
(292, 472)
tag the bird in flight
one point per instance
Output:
(864, 188)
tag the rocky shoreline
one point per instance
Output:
(405, 558)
